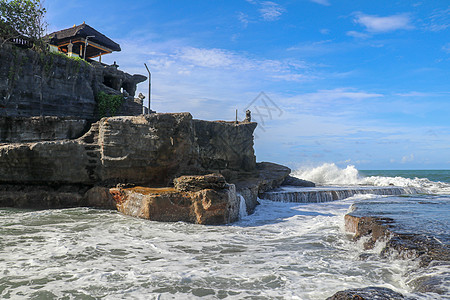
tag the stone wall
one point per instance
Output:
(36, 84)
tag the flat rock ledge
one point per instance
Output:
(206, 200)
(368, 293)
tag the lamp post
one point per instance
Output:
(86, 44)
(149, 87)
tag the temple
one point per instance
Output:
(82, 41)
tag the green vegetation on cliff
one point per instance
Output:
(108, 104)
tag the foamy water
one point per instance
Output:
(330, 174)
(282, 251)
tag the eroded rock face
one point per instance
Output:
(368, 293)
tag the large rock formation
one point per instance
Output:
(148, 150)
(49, 84)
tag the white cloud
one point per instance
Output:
(356, 34)
(271, 11)
(209, 58)
(323, 2)
(407, 158)
(243, 18)
(376, 24)
(341, 93)
(324, 31)
(439, 20)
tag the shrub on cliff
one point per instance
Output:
(23, 19)
(108, 105)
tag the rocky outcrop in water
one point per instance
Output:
(267, 177)
(368, 293)
(383, 221)
(196, 199)
(294, 181)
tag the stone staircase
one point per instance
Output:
(93, 151)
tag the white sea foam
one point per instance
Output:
(283, 250)
(330, 174)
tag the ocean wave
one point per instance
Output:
(330, 174)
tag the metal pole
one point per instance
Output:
(149, 87)
(85, 45)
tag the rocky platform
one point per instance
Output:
(411, 228)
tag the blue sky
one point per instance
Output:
(362, 83)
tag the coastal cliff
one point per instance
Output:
(56, 150)
(117, 152)
(52, 84)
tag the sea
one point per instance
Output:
(282, 251)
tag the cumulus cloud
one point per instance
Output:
(271, 11)
(376, 24)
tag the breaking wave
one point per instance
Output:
(330, 174)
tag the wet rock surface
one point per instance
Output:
(268, 176)
(205, 203)
(294, 181)
(411, 229)
(368, 293)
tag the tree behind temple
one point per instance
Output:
(23, 18)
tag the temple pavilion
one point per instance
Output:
(82, 41)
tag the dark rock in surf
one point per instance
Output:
(368, 293)
(294, 181)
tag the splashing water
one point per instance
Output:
(242, 207)
(330, 174)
